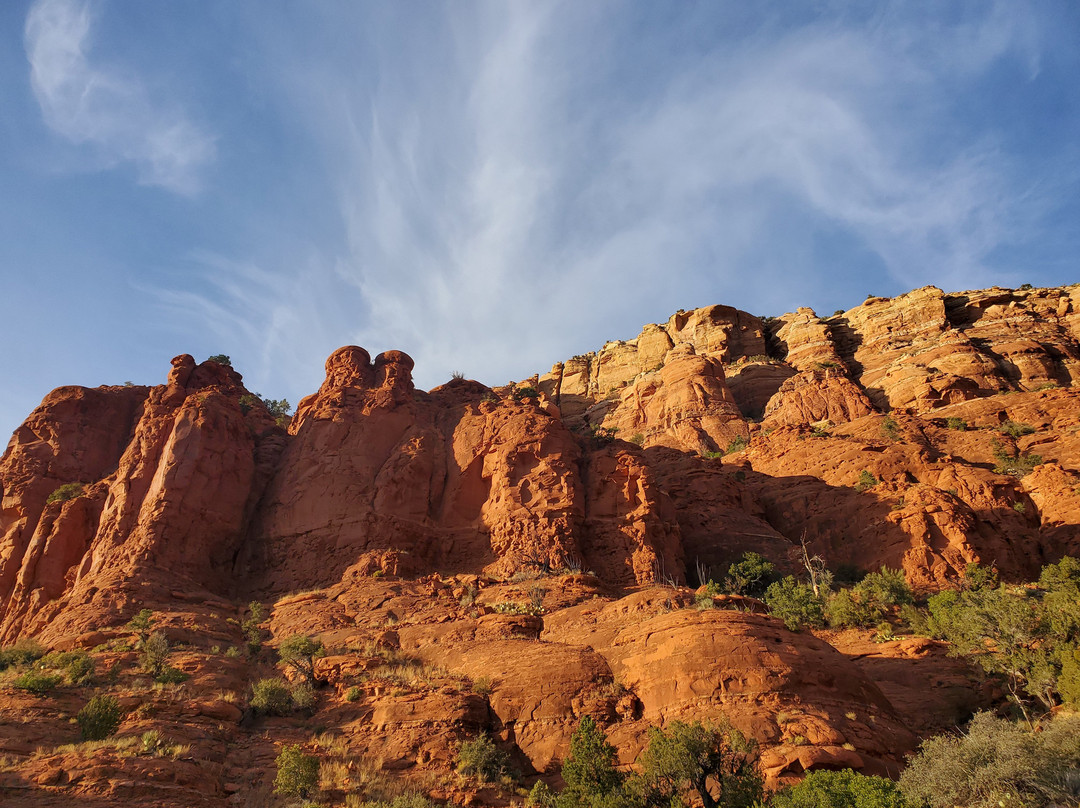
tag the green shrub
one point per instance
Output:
(271, 696)
(1027, 636)
(80, 669)
(1016, 430)
(959, 424)
(251, 628)
(297, 773)
(844, 610)
(995, 763)
(171, 676)
(1019, 466)
(884, 588)
(37, 682)
(65, 492)
(795, 603)
(220, 358)
(303, 696)
(410, 800)
(840, 789)
(866, 481)
(482, 759)
(77, 666)
(279, 408)
(100, 718)
(1069, 678)
(353, 694)
(155, 651)
(915, 619)
(141, 624)
(890, 430)
(23, 652)
(750, 575)
(540, 796)
(977, 576)
(737, 445)
(482, 686)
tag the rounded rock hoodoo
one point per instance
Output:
(349, 366)
(393, 370)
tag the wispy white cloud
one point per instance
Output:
(510, 194)
(108, 110)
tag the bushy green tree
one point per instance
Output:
(299, 652)
(750, 575)
(996, 764)
(869, 601)
(77, 666)
(589, 770)
(297, 773)
(540, 796)
(65, 492)
(37, 682)
(845, 610)
(1029, 636)
(141, 625)
(272, 696)
(884, 588)
(690, 762)
(795, 603)
(866, 481)
(841, 789)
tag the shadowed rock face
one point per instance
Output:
(392, 505)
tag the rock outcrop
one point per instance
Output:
(508, 561)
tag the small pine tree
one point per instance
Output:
(299, 652)
(297, 773)
(795, 603)
(590, 767)
(690, 762)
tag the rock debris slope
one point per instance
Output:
(922, 432)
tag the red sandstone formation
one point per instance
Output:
(436, 527)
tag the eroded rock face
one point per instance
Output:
(923, 432)
(814, 396)
(919, 351)
(457, 479)
(686, 404)
(170, 479)
(684, 664)
(192, 484)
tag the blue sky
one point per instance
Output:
(494, 186)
